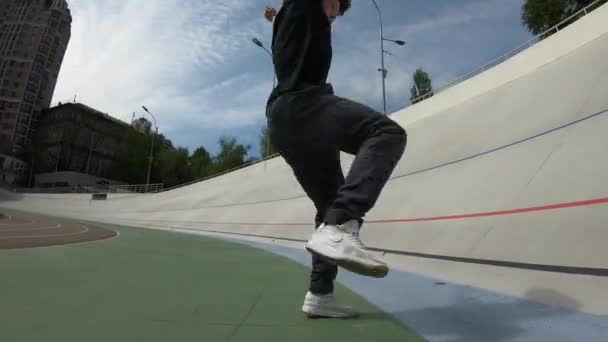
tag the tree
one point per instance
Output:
(231, 155)
(201, 163)
(267, 148)
(422, 88)
(540, 15)
(174, 166)
(131, 161)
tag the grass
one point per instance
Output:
(159, 286)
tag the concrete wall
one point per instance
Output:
(507, 166)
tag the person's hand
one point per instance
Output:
(331, 8)
(270, 13)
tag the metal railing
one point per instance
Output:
(529, 43)
(242, 166)
(137, 188)
(86, 189)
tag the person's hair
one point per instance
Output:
(344, 6)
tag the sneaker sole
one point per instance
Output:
(326, 314)
(315, 316)
(354, 266)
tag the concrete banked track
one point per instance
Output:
(504, 184)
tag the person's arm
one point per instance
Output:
(270, 13)
(295, 14)
(292, 34)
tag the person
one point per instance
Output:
(310, 126)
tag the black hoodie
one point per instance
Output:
(301, 46)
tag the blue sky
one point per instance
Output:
(192, 63)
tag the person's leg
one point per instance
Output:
(320, 174)
(378, 143)
(316, 165)
(316, 120)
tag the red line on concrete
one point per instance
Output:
(420, 219)
(501, 212)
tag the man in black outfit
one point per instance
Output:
(310, 126)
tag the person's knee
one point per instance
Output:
(400, 132)
(395, 133)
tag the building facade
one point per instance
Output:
(142, 125)
(34, 36)
(75, 138)
(10, 169)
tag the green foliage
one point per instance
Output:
(540, 15)
(131, 164)
(267, 148)
(2, 216)
(201, 163)
(231, 155)
(173, 165)
(422, 88)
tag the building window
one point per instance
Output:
(26, 108)
(32, 87)
(35, 78)
(29, 98)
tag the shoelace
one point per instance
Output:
(354, 238)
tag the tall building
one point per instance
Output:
(34, 36)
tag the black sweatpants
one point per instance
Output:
(310, 128)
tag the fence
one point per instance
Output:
(531, 42)
(84, 189)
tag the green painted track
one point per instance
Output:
(159, 286)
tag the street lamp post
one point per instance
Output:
(274, 83)
(151, 148)
(383, 71)
(259, 43)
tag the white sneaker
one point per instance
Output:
(341, 245)
(326, 306)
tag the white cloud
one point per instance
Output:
(159, 53)
(429, 39)
(188, 60)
